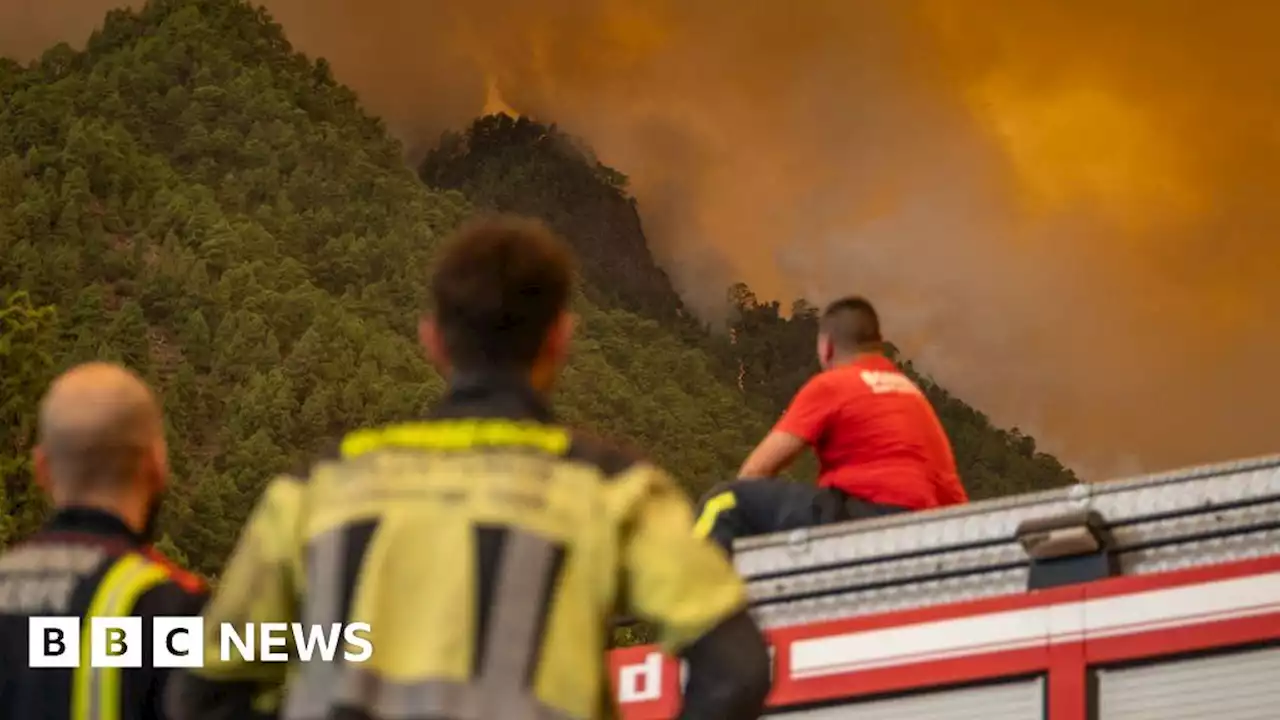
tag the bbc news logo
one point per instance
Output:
(178, 642)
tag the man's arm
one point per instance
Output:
(257, 586)
(773, 455)
(687, 587)
(801, 425)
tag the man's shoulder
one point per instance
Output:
(611, 457)
(178, 592)
(174, 591)
(185, 580)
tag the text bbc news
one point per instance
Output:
(55, 642)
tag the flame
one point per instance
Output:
(494, 104)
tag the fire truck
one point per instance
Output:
(1152, 598)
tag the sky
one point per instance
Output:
(1064, 209)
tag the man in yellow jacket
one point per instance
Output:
(486, 546)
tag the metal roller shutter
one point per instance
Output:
(1022, 700)
(1239, 686)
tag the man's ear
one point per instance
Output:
(433, 343)
(40, 461)
(560, 339)
(826, 350)
(158, 456)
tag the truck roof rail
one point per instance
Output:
(1166, 521)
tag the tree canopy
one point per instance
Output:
(190, 196)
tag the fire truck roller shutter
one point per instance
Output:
(1020, 700)
(1240, 685)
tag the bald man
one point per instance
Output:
(101, 458)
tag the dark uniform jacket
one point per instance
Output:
(85, 562)
(485, 549)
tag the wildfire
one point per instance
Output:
(494, 103)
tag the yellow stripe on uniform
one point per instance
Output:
(95, 692)
(457, 435)
(711, 511)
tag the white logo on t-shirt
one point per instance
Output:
(889, 382)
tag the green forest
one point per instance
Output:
(190, 196)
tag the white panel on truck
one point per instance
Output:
(1243, 685)
(1022, 700)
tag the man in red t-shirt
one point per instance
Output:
(878, 441)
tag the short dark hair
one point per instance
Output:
(498, 287)
(851, 323)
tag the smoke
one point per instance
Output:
(1065, 208)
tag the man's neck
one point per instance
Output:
(539, 381)
(131, 514)
(856, 356)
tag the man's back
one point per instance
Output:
(486, 548)
(85, 562)
(876, 435)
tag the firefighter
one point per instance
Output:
(486, 546)
(879, 444)
(101, 459)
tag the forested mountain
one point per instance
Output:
(192, 197)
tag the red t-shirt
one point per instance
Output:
(876, 436)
